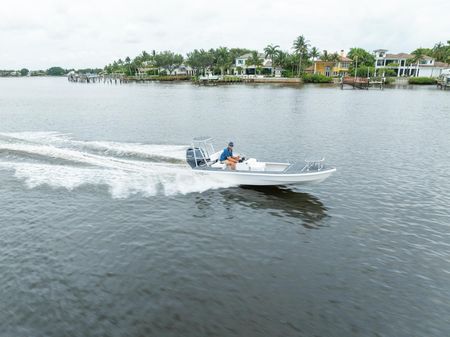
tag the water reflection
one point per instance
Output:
(277, 201)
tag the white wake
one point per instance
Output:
(59, 161)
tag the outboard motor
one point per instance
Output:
(199, 156)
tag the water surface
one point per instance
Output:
(105, 232)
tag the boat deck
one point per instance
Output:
(294, 168)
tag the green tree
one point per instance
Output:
(364, 57)
(419, 54)
(271, 52)
(335, 57)
(55, 71)
(300, 46)
(194, 61)
(168, 60)
(282, 59)
(24, 72)
(314, 54)
(222, 59)
(255, 60)
(441, 52)
(128, 66)
(325, 56)
(200, 60)
(367, 71)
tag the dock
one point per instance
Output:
(216, 80)
(94, 78)
(444, 83)
(355, 82)
(361, 83)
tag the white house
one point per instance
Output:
(432, 68)
(183, 70)
(180, 70)
(241, 66)
(403, 66)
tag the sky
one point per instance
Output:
(38, 34)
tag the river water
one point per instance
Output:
(104, 231)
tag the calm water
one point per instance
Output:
(105, 232)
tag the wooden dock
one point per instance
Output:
(355, 82)
(216, 80)
(361, 83)
(94, 78)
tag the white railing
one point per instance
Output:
(313, 165)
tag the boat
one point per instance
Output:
(204, 159)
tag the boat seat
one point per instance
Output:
(215, 156)
(218, 164)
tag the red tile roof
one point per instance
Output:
(345, 59)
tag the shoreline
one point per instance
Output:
(400, 82)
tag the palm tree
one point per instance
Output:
(271, 52)
(282, 59)
(222, 56)
(325, 56)
(334, 57)
(255, 60)
(300, 47)
(314, 54)
(418, 55)
(127, 63)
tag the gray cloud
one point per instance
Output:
(92, 33)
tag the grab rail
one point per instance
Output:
(315, 165)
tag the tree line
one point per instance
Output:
(221, 60)
(52, 71)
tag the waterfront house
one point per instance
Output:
(321, 67)
(340, 67)
(403, 65)
(242, 67)
(149, 69)
(183, 70)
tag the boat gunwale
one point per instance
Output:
(269, 174)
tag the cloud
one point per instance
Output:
(87, 33)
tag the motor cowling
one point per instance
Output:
(199, 157)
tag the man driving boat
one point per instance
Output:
(227, 156)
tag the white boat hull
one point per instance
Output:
(204, 160)
(267, 179)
